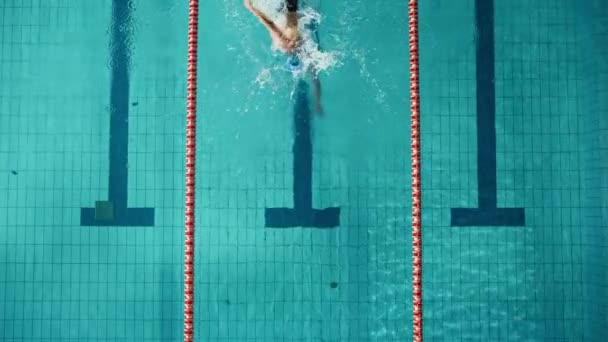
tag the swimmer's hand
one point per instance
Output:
(248, 5)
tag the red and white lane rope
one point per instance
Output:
(190, 173)
(416, 183)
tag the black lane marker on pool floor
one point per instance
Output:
(487, 214)
(114, 211)
(302, 214)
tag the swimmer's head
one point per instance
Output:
(291, 32)
(291, 38)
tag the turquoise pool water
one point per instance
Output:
(303, 221)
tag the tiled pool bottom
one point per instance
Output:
(62, 280)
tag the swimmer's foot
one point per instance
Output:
(318, 108)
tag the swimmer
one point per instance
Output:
(288, 40)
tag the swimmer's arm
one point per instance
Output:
(267, 22)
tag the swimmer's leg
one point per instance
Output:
(316, 91)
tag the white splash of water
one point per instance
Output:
(264, 77)
(311, 55)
